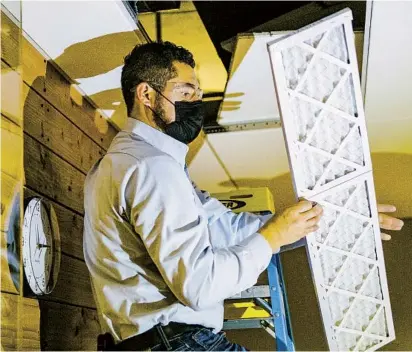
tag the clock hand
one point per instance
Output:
(37, 234)
(41, 245)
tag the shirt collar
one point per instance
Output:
(177, 150)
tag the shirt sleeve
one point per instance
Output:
(175, 232)
(228, 228)
(231, 228)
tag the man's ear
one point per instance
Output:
(144, 93)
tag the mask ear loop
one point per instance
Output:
(162, 95)
(159, 121)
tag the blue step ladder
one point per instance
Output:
(273, 299)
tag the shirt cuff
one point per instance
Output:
(260, 249)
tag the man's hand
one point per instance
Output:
(388, 222)
(294, 223)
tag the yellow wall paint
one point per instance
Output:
(393, 180)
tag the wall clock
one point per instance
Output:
(41, 246)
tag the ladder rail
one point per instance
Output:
(280, 308)
(278, 324)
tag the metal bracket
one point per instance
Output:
(269, 328)
(254, 323)
(263, 304)
(253, 292)
(241, 127)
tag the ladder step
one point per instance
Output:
(246, 323)
(253, 292)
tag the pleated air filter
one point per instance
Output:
(318, 89)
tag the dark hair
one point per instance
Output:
(152, 63)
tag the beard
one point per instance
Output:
(159, 114)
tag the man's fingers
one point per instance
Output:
(313, 212)
(388, 222)
(385, 237)
(311, 229)
(303, 205)
(313, 221)
(386, 208)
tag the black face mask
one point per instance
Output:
(188, 123)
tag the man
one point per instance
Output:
(162, 255)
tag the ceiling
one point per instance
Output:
(209, 29)
(225, 19)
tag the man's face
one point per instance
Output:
(183, 87)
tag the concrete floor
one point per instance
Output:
(306, 320)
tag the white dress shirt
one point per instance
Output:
(159, 250)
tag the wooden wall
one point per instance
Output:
(57, 137)
(18, 331)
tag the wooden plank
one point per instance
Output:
(11, 189)
(73, 284)
(68, 328)
(11, 202)
(50, 175)
(48, 126)
(50, 83)
(70, 226)
(10, 41)
(11, 197)
(56, 89)
(11, 149)
(20, 323)
(45, 79)
(33, 63)
(11, 94)
(6, 283)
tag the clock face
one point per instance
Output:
(41, 246)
